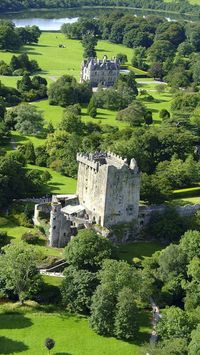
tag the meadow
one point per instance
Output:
(25, 331)
(55, 61)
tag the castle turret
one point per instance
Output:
(55, 221)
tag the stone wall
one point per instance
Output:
(146, 212)
(108, 188)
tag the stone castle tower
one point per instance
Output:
(108, 193)
(108, 188)
(97, 71)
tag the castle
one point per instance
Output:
(103, 72)
(108, 192)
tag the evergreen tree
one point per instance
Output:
(30, 153)
(91, 109)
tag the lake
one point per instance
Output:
(52, 20)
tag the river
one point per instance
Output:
(53, 20)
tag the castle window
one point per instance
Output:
(64, 234)
(129, 210)
(54, 227)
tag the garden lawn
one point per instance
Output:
(15, 232)
(54, 115)
(55, 61)
(26, 333)
(138, 250)
(59, 184)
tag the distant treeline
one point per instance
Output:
(16, 5)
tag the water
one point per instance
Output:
(48, 20)
(44, 24)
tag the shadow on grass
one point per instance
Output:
(144, 319)
(56, 184)
(14, 321)
(9, 346)
(102, 50)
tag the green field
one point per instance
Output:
(55, 61)
(194, 2)
(26, 333)
(139, 250)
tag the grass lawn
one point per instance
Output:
(194, 2)
(54, 114)
(52, 280)
(15, 232)
(26, 334)
(55, 61)
(138, 250)
(190, 195)
(59, 184)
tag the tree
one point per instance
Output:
(29, 153)
(148, 119)
(103, 310)
(49, 343)
(19, 270)
(176, 346)
(194, 345)
(9, 39)
(155, 190)
(91, 109)
(4, 239)
(109, 302)
(71, 121)
(139, 58)
(134, 114)
(161, 50)
(89, 41)
(126, 324)
(122, 58)
(77, 289)
(28, 120)
(156, 70)
(190, 244)
(88, 250)
(66, 91)
(167, 226)
(46, 176)
(174, 323)
(25, 84)
(164, 114)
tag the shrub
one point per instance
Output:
(4, 239)
(23, 220)
(30, 238)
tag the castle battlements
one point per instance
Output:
(95, 160)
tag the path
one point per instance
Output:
(151, 82)
(155, 318)
(13, 144)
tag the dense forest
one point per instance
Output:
(16, 5)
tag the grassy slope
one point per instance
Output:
(26, 334)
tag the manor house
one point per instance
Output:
(98, 71)
(108, 193)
